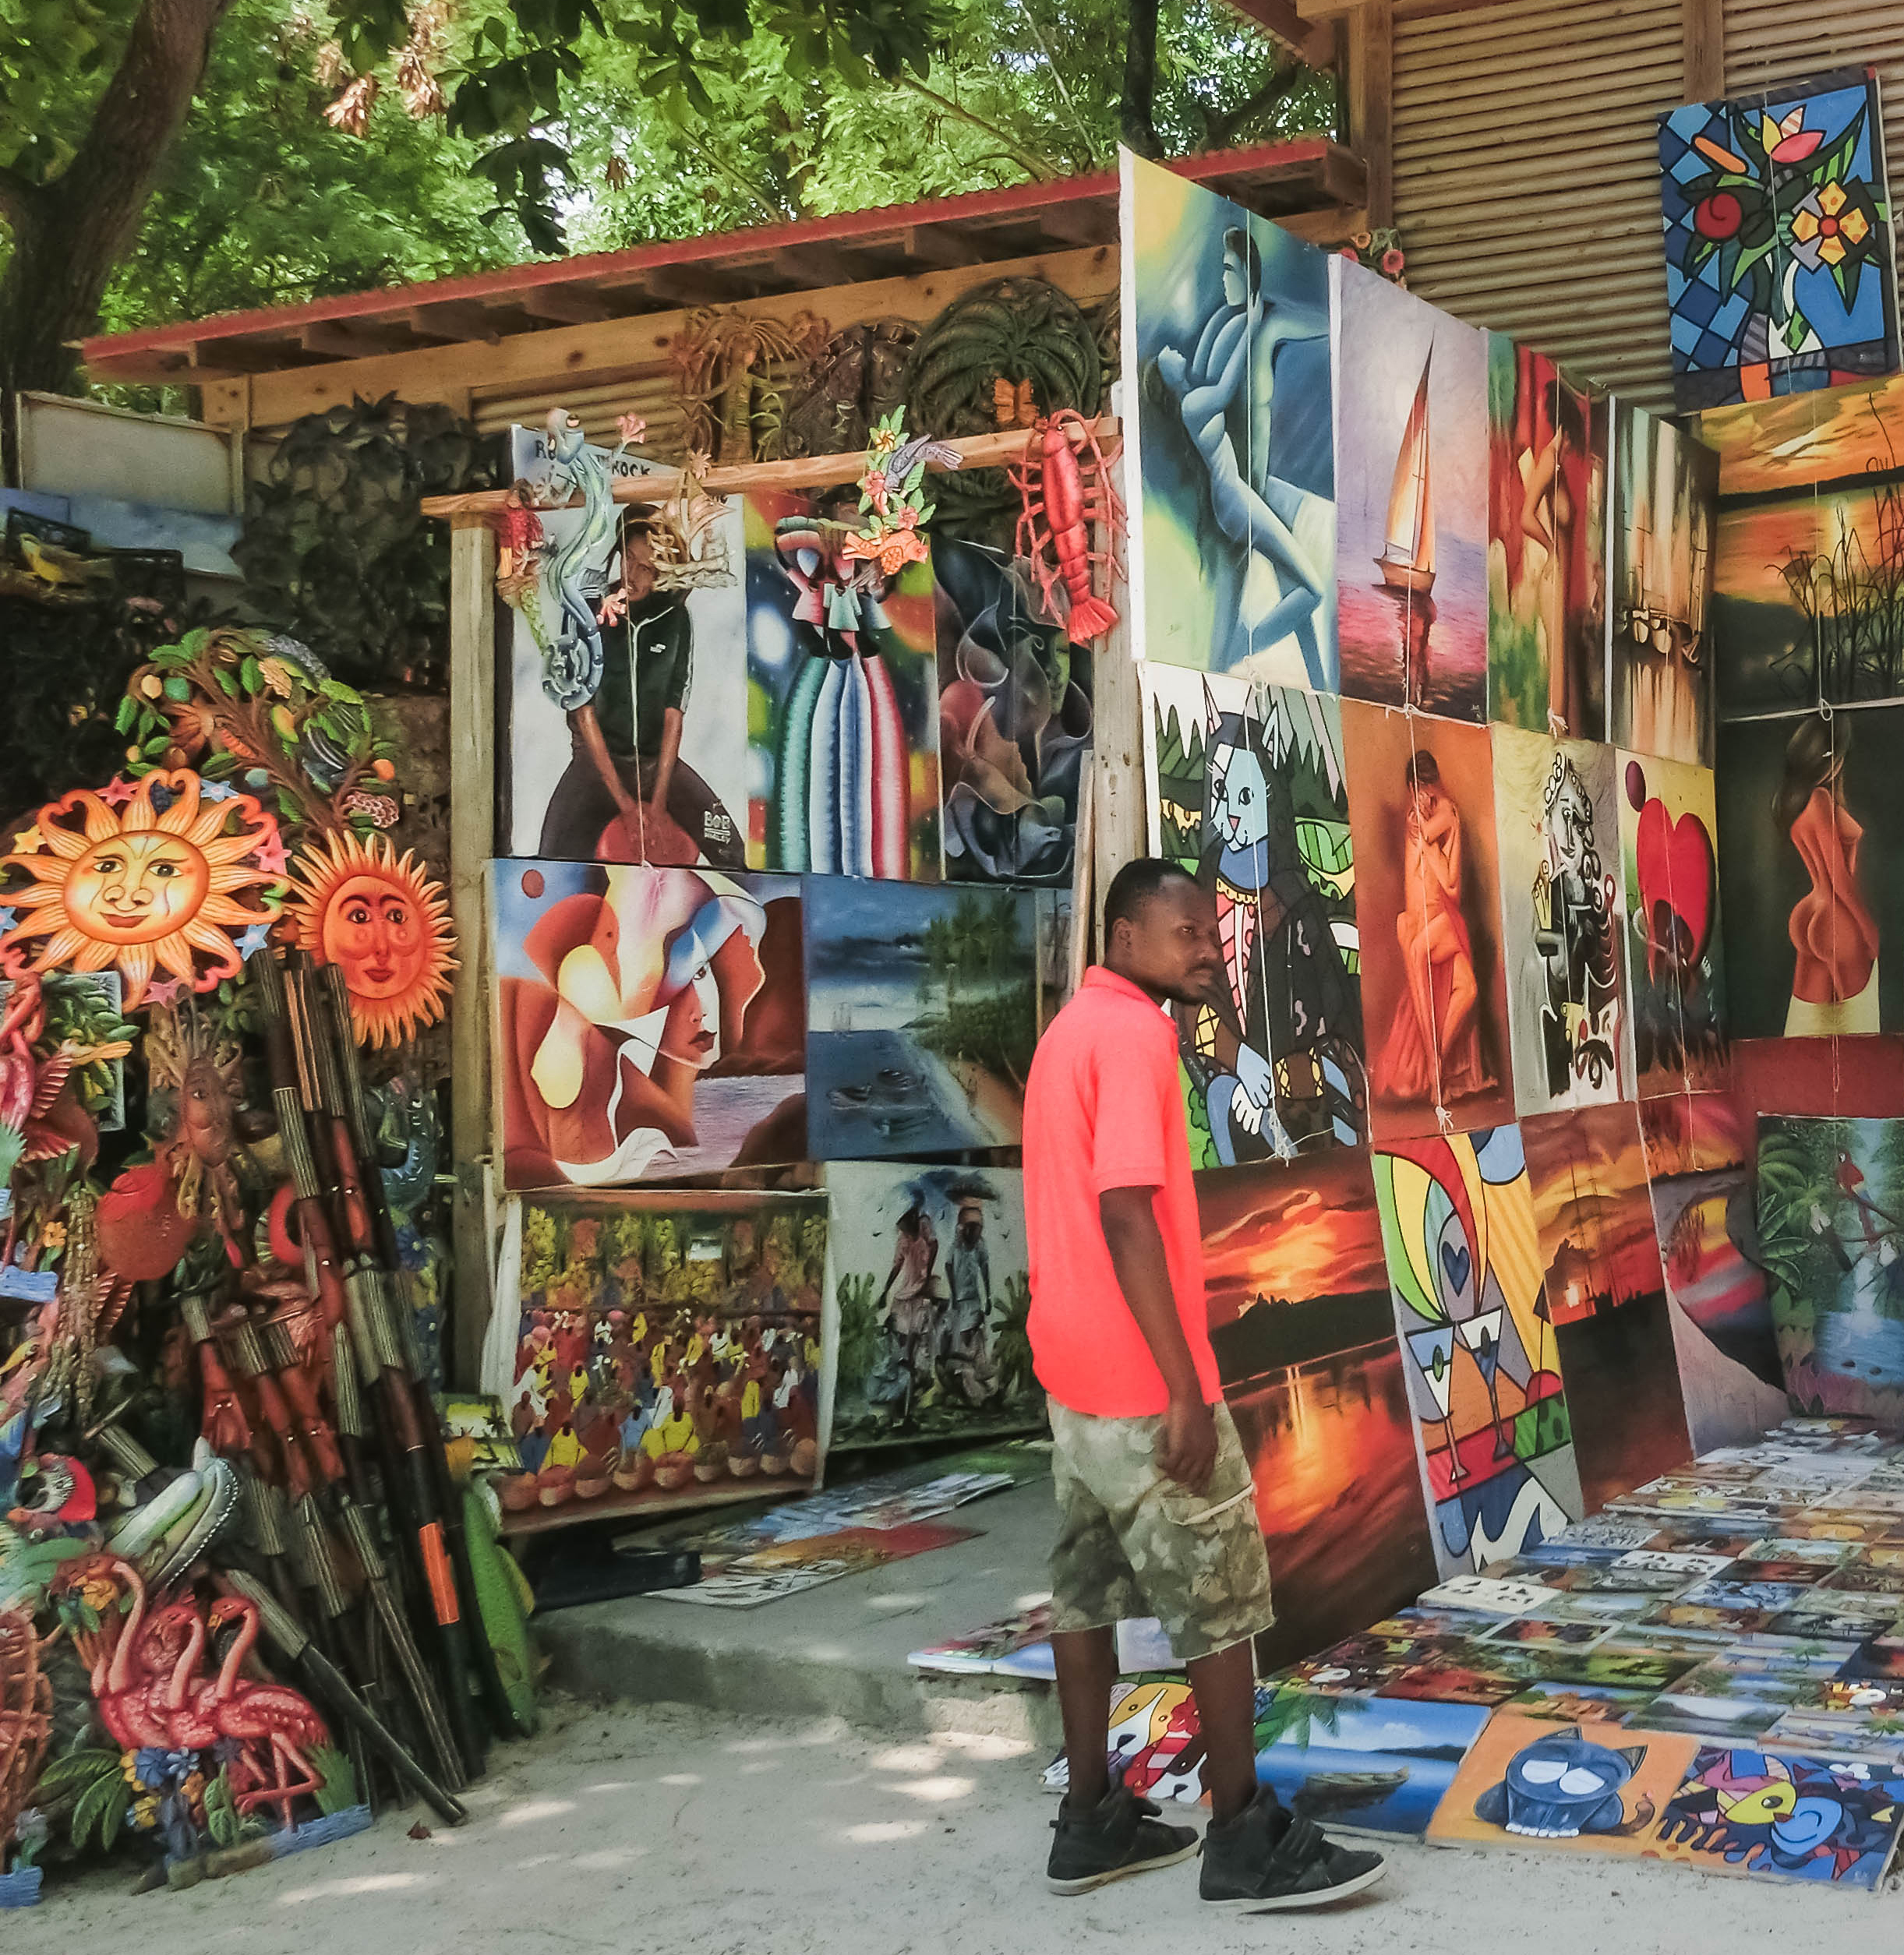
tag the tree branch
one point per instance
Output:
(1221, 126)
(17, 196)
(1137, 111)
(1038, 168)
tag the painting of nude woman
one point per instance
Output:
(1428, 906)
(1227, 350)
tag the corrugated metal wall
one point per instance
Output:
(1770, 41)
(1527, 175)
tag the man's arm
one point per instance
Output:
(1187, 1451)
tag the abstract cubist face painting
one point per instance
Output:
(1675, 987)
(1830, 1194)
(649, 1021)
(1491, 1417)
(1605, 1297)
(842, 714)
(1548, 495)
(666, 1350)
(1562, 906)
(928, 1287)
(1428, 897)
(1807, 805)
(1411, 512)
(1304, 1336)
(1780, 274)
(1665, 491)
(1247, 789)
(1015, 722)
(923, 1009)
(652, 766)
(1227, 387)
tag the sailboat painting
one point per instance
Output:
(1411, 477)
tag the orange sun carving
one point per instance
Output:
(143, 877)
(360, 907)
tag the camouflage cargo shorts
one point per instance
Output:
(1132, 1542)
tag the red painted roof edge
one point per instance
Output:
(846, 227)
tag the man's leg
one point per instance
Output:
(1087, 1668)
(1225, 1688)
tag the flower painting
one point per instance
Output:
(1780, 276)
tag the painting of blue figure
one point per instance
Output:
(923, 1009)
(1227, 384)
(1362, 1764)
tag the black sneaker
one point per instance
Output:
(1120, 1835)
(1265, 1859)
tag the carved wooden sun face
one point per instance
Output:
(360, 907)
(144, 878)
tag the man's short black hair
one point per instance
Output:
(1133, 886)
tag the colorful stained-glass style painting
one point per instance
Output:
(1562, 914)
(1547, 511)
(1830, 1195)
(1411, 513)
(1227, 387)
(1780, 274)
(927, 1292)
(1699, 1149)
(1665, 490)
(653, 766)
(923, 1009)
(1675, 989)
(1491, 1423)
(649, 1021)
(1428, 897)
(1606, 1297)
(1247, 791)
(842, 716)
(1015, 722)
(1304, 1336)
(1807, 805)
(667, 1348)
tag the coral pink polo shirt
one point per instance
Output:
(1103, 1108)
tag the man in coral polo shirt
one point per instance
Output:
(1157, 1508)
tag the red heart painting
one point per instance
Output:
(1675, 867)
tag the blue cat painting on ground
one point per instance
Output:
(1561, 1786)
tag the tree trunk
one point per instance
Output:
(1137, 122)
(69, 233)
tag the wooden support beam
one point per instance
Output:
(1086, 220)
(696, 285)
(208, 358)
(340, 343)
(1704, 22)
(567, 305)
(454, 321)
(809, 267)
(939, 245)
(1313, 40)
(1371, 93)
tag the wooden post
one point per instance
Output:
(1371, 94)
(472, 841)
(1703, 22)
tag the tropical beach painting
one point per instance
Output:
(922, 1013)
(1411, 510)
(1227, 390)
(1362, 1764)
(1304, 1338)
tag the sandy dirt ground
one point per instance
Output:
(667, 1831)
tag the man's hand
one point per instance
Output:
(1186, 1449)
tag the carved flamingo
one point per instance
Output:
(123, 1680)
(255, 1713)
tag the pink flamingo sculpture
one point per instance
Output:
(255, 1716)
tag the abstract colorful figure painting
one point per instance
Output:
(1247, 789)
(1411, 516)
(1433, 989)
(1666, 492)
(1305, 1337)
(1807, 805)
(1675, 989)
(651, 766)
(1492, 1423)
(1780, 273)
(649, 1021)
(922, 1008)
(1227, 387)
(1831, 1227)
(926, 1296)
(667, 1348)
(1015, 722)
(1548, 467)
(842, 714)
(1699, 1151)
(1562, 912)
(1606, 1297)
